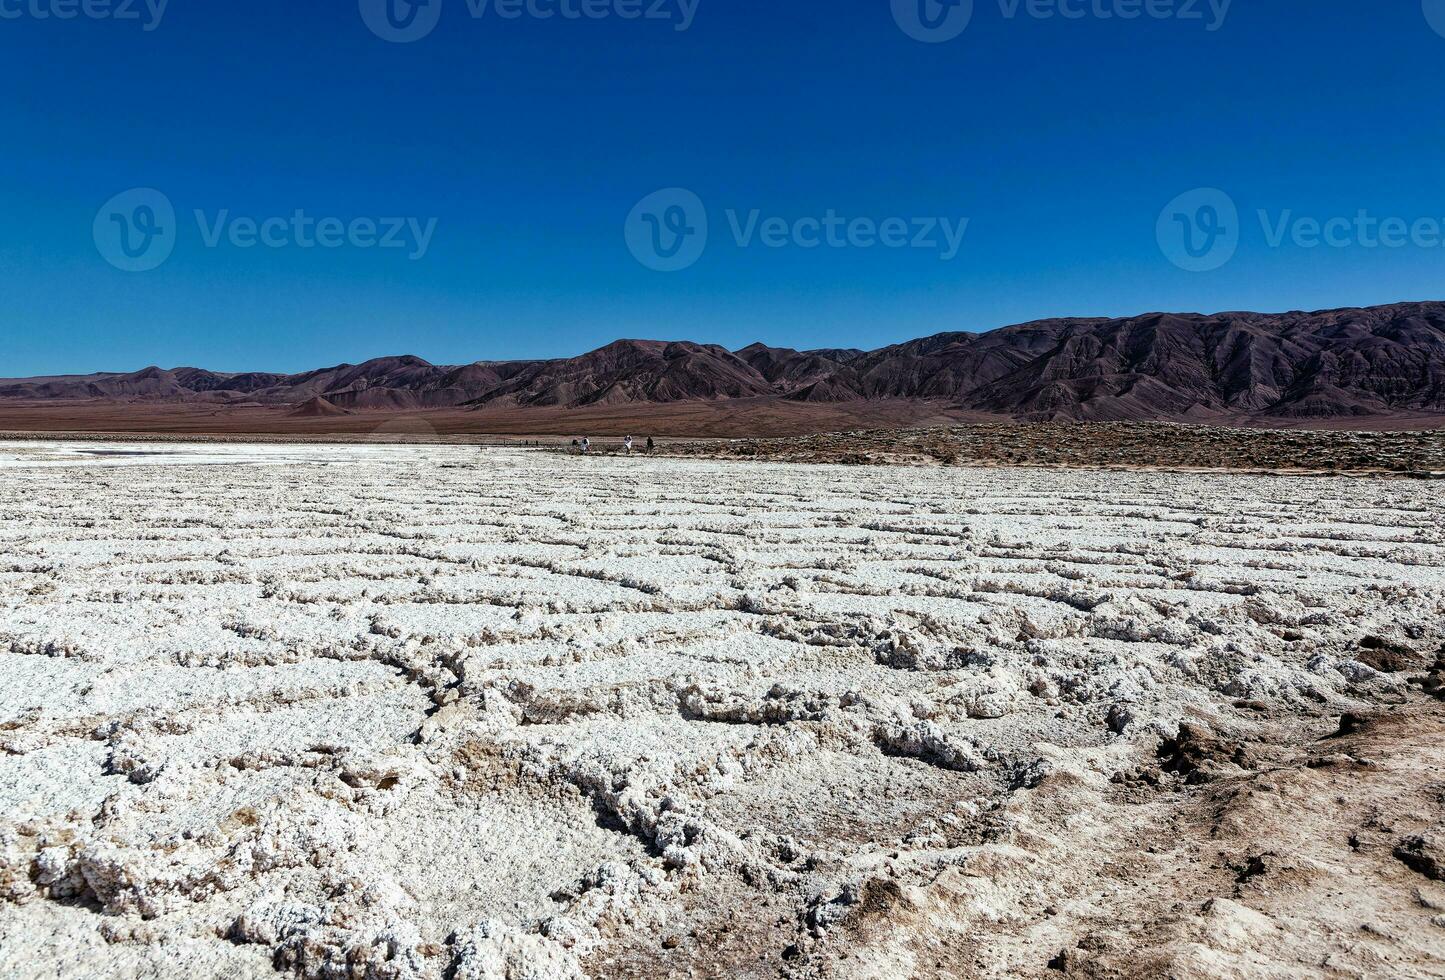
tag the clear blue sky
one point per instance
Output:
(531, 140)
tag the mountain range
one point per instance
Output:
(1379, 361)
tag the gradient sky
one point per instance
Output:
(531, 140)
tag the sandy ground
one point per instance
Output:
(1102, 445)
(737, 418)
(405, 712)
(730, 418)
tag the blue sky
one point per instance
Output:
(528, 141)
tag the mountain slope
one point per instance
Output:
(1329, 364)
(633, 371)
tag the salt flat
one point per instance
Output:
(362, 711)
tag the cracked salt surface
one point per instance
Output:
(33, 454)
(421, 712)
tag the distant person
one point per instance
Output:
(586, 445)
(627, 445)
(576, 446)
(649, 443)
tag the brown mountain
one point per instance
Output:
(633, 371)
(1333, 364)
(794, 370)
(316, 408)
(1172, 366)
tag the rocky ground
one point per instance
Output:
(1107, 445)
(424, 712)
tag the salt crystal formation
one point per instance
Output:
(424, 712)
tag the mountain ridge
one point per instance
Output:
(1349, 362)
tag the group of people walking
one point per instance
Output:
(584, 445)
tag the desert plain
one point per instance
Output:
(431, 711)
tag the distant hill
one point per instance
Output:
(317, 408)
(1160, 366)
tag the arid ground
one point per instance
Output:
(733, 418)
(1100, 445)
(739, 418)
(429, 711)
